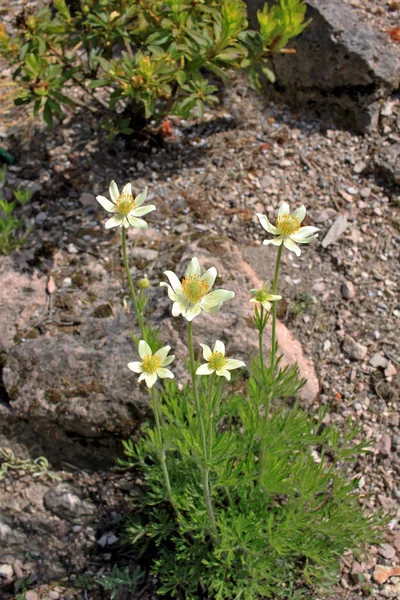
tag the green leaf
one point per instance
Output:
(47, 114)
(270, 75)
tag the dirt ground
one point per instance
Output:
(341, 297)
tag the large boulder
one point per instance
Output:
(342, 68)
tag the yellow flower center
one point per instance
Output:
(150, 363)
(125, 203)
(194, 288)
(217, 361)
(287, 224)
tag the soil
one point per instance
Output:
(341, 300)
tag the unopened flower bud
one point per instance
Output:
(144, 284)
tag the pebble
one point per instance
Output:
(181, 228)
(67, 282)
(390, 370)
(31, 595)
(382, 573)
(87, 199)
(53, 595)
(6, 571)
(72, 249)
(41, 218)
(353, 349)
(359, 167)
(145, 254)
(377, 360)
(51, 286)
(387, 551)
(390, 591)
(348, 290)
(365, 192)
(335, 231)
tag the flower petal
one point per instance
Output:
(219, 347)
(275, 241)
(127, 189)
(114, 191)
(164, 373)
(204, 369)
(267, 225)
(141, 198)
(162, 352)
(109, 206)
(150, 379)
(284, 209)
(143, 376)
(304, 233)
(210, 276)
(193, 267)
(136, 367)
(144, 349)
(192, 312)
(177, 309)
(115, 221)
(167, 361)
(224, 373)
(216, 297)
(299, 213)
(232, 363)
(171, 294)
(143, 210)
(265, 304)
(206, 351)
(290, 245)
(139, 223)
(174, 281)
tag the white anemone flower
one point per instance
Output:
(152, 365)
(264, 297)
(192, 295)
(127, 209)
(288, 228)
(217, 361)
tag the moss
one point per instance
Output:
(53, 396)
(13, 392)
(32, 334)
(3, 359)
(78, 279)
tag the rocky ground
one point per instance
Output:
(63, 320)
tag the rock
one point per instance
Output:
(387, 163)
(31, 595)
(144, 253)
(342, 68)
(348, 290)
(107, 539)
(390, 591)
(65, 503)
(87, 199)
(181, 228)
(387, 551)
(359, 167)
(6, 572)
(338, 227)
(22, 298)
(353, 349)
(72, 249)
(390, 370)
(325, 215)
(51, 286)
(53, 595)
(377, 360)
(382, 573)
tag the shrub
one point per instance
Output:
(151, 57)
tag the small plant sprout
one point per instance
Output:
(127, 209)
(193, 295)
(264, 297)
(217, 362)
(152, 365)
(288, 228)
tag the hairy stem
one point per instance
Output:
(205, 471)
(131, 286)
(275, 287)
(157, 411)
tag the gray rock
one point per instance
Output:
(377, 360)
(335, 231)
(348, 290)
(342, 68)
(65, 503)
(353, 349)
(87, 199)
(387, 163)
(144, 253)
(6, 572)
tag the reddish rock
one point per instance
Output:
(382, 573)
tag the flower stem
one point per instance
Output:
(131, 286)
(275, 287)
(260, 343)
(156, 408)
(205, 471)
